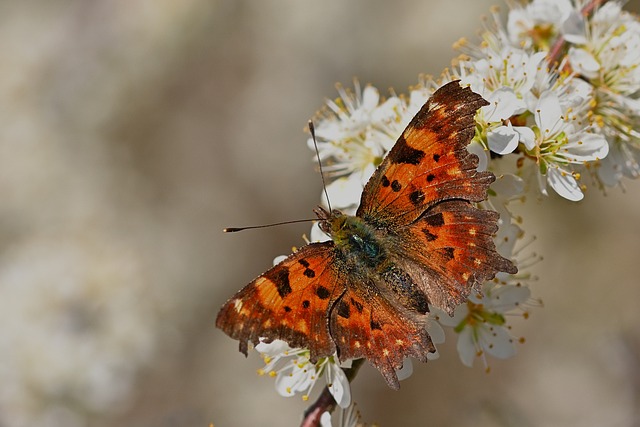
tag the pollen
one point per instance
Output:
(465, 276)
(399, 342)
(266, 323)
(356, 344)
(472, 231)
(477, 261)
(385, 351)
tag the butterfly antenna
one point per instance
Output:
(235, 229)
(312, 129)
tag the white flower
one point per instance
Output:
(556, 142)
(295, 373)
(481, 323)
(540, 22)
(347, 417)
(504, 79)
(609, 58)
(623, 160)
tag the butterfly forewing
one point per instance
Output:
(429, 162)
(288, 302)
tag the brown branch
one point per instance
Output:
(326, 402)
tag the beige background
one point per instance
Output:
(154, 124)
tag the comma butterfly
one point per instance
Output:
(416, 239)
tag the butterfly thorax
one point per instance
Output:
(352, 236)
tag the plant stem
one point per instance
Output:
(326, 402)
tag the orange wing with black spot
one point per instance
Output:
(429, 162)
(366, 323)
(450, 250)
(291, 302)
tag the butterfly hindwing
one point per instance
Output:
(450, 250)
(290, 302)
(429, 162)
(364, 323)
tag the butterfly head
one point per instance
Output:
(331, 222)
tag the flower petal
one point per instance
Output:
(466, 347)
(503, 140)
(564, 184)
(406, 370)
(527, 136)
(584, 62)
(339, 387)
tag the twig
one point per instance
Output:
(326, 402)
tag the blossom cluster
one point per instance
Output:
(562, 78)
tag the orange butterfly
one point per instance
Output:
(416, 239)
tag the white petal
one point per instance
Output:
(279, 259)
(273, 348)
(370, 98)
(466, 347)
(548, 114)
(317, 235)
(325, 420)
(503, 298)
(508, 186)
(527, 136)
(459, 314)
(503, 103)
(564, 184)
(483, 156)
(345, 191)
(584, 62)
(503, 140)
(573, 28)
(339, 387)
(497, 342)
(406, 370)
(435, 330)
(586, 147)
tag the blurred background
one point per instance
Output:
(134, 131)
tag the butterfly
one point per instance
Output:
(417, 239)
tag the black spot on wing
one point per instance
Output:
(306, 304)
(429, 235)
(279, 276)
(436, 158)
(309, 273)
(448, 253)
(385, 181)
(357, 305)
(430, 177)
(436, 220)
(303, 262)
(343, 309)
(322, 292)
(402, 153)
(375, 325)
(396, 186)
(416, 197)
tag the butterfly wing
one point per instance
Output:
(429, 162)
(291, 302)
(365, 323)
(454, 241)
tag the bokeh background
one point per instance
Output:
(133, 131)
